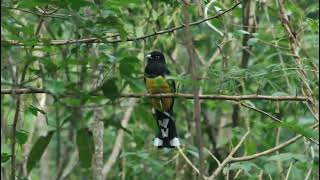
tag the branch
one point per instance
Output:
(18, 106)
(229, 158)
(269, 151)
(24, 91)
(105, 39)
(71, 165)
(295, 47)
(183, 95)
(274, 119)
(195, 87)
(118, 142)
(47, 14)
(14, 129)
(189, 162)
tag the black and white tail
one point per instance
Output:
(167, 136)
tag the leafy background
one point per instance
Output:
(54, 134)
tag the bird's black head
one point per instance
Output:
(155, 57)
(156, 64)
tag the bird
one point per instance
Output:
(155, 74)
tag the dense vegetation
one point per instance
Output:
(70, 69)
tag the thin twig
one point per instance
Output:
(275, 119)
(18, 104)
(74, 159)
(269, 151)
(229, 157)
(262, 112)
(295, 47)
(49, 14)
(214, 157)
(289, 170)
(188, 161)
(105, 40)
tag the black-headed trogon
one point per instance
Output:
(155, 79)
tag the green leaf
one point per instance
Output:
(85, 147)
(37, 150)
(77, 4)
(270, 168)
(281, 157)
(222, 142)
(21, 137)
(122, 32)
(246, 166)
(129, 66)
(23, 178)
(142, 113)
(29, 3)
(288, 156)
(40, 3)
(110, 88)
(300, 129)
(34, 110)
(136, 85)
(243, 31)
(115, 123)
(113, 22)
(66, 118)
(252, 41)
(118, 3)
(313, 25)
(250, 147)
(30, 42)
(5, 157)
(49, 65)
(193, 152)
(55, 86)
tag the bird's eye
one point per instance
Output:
(157, 57)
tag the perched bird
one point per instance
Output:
(155, 74)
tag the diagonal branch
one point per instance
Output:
(44, 14)
(229, 158)
(274, 119)
(105, 39)
(118, 142)
(269, 151)
(189, 162)
(295, 46)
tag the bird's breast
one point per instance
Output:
(158, 85)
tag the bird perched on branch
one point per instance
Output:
(155, 79)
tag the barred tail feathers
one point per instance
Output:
(167, 137)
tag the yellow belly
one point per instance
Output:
(159, 85)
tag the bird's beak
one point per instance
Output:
(148, 56)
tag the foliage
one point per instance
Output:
(83, 77)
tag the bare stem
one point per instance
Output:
(195, 87)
